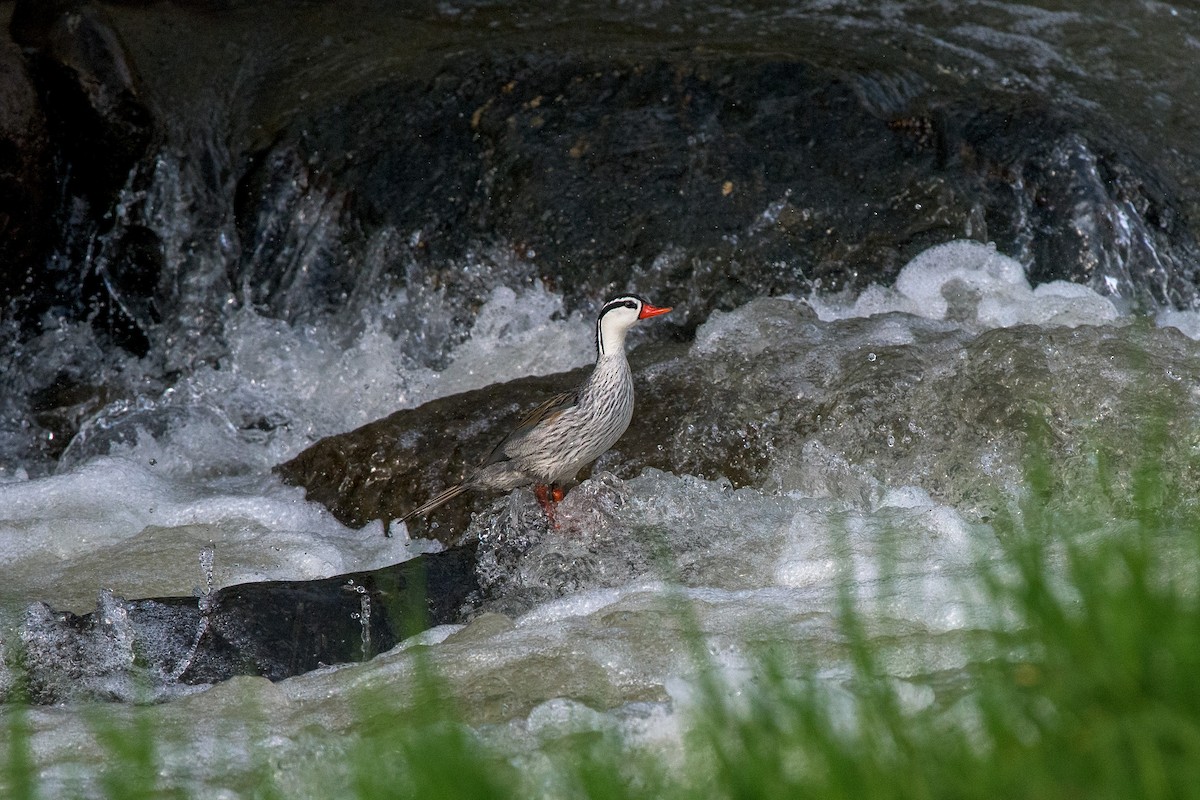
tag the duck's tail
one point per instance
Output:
(430, 505)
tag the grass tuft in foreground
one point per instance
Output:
(1089, 685)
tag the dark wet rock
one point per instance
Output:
(683, 422)
(711, 179)
(91, 91)
(1076, 205)
(359, 153)
(389, 466)
(142, 650)
(27, 193)
(100, 128)
(63, 406)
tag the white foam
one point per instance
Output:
(310, 382)
(977, 286)
(518, 334)
(911, 559)
(906, 497)
(581, 604)
(758, 553)
(747, 332)
(560, 717)
(122, 522)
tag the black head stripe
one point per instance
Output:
(622, 301)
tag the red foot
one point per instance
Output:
(548, 497)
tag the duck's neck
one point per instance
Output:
(611, 376)
(610, 341)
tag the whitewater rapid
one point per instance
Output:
(594, 644)
(146, 486)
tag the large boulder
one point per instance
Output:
(187, 158)
(712, 178)
(316, 163)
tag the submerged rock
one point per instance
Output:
(150, 649)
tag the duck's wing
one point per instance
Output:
(547, 411)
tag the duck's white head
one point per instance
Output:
(617, 317)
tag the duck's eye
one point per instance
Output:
(630, 304)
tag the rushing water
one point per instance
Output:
(594, 646)
(168, 489)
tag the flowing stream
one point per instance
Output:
(600, 648)
(168, 490)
